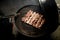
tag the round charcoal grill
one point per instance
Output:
(29, 30)
(25, 28)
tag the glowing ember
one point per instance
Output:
(34, 19)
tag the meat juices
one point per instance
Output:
(34, 19)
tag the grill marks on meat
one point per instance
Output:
(27, 16)
(34, 19)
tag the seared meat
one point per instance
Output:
(34, 19)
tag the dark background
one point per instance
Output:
(10, 7)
